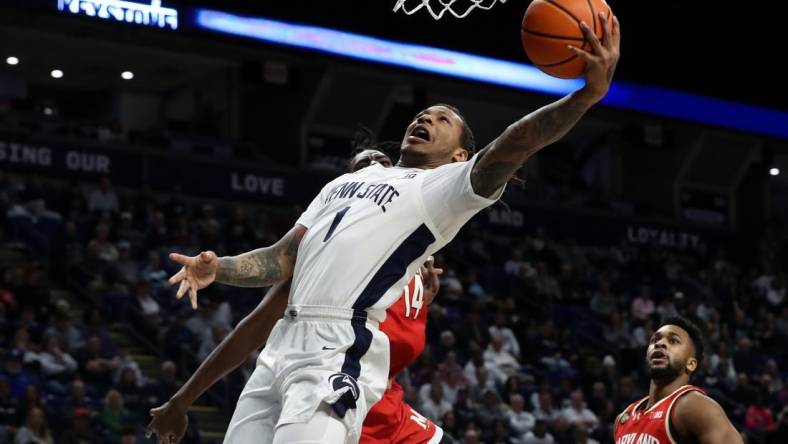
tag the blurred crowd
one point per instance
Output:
(531, 339)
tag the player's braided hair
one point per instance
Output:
(467, 140)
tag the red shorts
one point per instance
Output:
(392, 421)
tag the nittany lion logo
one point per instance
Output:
(341, 380)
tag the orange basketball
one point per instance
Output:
(550, 25)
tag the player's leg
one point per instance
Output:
(323, 427)
(257, 411)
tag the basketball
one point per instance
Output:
(550, 25)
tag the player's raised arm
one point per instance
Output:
(256, 268)
(700, 419)
(507, 153)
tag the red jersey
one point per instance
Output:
(391, 420)
(406, 325)
(636, 425)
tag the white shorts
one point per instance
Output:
(314, 355)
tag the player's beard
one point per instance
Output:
(664, 373)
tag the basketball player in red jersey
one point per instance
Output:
(674, 412)
(390, 421)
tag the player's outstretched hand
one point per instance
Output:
(197, 273)
(432, 282)
(601, 64)
(168, 422)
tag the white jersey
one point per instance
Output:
(370, 230)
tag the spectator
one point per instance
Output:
(499, 358)
(95, 366)
(9, 411)
(581, 435)
(101, 248)
(539, 435)
(520, 421)
(94, 326)
(509, 342)
(490, 410)
(154, 273)
(544, 411)
(36, 430)
(161, 391)
(114, 417)
(603, 303)
(57, 365)
(434, 406)
(471, 437)
(81, 430)
(126, 267)
(667, 309)
(577, 413)
(78, 399)
(643, 305)
(147, 304)
(759, 416)
(103, 198)
(69, 337)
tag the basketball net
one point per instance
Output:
(438, 8)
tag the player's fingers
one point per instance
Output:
(207, 256)
(179, 258)
(437, 271)
(585, 55)
(589, 35)
(182, 289)
(607, 39)
(177, 277)
(193, 296)
(616, 32)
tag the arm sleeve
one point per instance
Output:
(449, 198)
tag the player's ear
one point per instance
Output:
(692, 365)
(460, 155)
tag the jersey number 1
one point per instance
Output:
(337, 219)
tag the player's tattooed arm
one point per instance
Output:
(521, 140)
(524, 138)
(264, 266)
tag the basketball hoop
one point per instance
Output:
(437, 8)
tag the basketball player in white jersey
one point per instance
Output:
(351, 252)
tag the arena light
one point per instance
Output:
(651, 100)
(12, 60)
(774, 171)
(423, 58)
(56, 74)
(127, 75)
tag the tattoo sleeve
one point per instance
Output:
(264, 266)
(506, 154)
